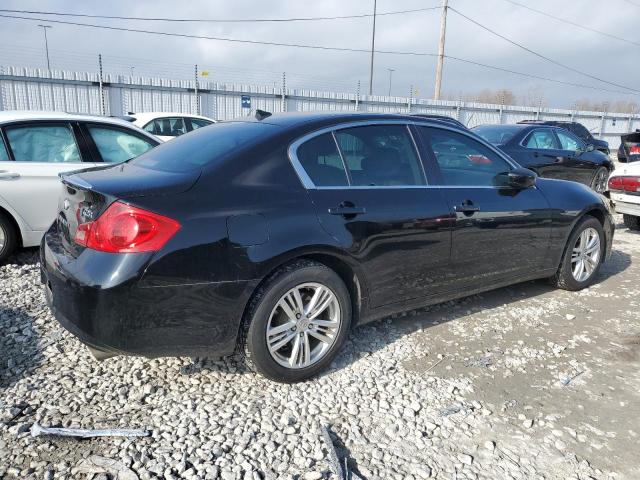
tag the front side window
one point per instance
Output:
(321, 160)
(542, 139)
(116, 145)
(462, 160)
(43, 143)
(3, 152)
(167, 127)
(581, 131)
(569, 141)
(199, 123)
(380, 155)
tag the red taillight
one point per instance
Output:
(634, 149)
(126, 229)
(627, 184)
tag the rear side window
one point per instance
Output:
(462, 160)
(542, 139)
(380, 155)
(43, 143)
(199, 123)
(321, 160)
(205, 146)
(116, 145)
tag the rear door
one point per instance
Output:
(499, 233)
(38, 152)
(371, 194)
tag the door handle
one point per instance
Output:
(6, 175)
(347, 209)
(466, 208)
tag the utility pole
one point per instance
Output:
(443, 29)
(373, 47)
(196, 90)
(46, 45)
(391, 70)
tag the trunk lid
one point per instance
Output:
(86, 195)
(631, 146)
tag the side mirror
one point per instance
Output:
(519, 178)
(590, 148)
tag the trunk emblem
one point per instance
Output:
(66, 204)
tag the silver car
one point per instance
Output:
(37, 146)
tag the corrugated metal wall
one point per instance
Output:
(36, 89)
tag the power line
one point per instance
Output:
(633, 3)
(344, 49)
(218, 20)
(575, 24)
(533, 52)
(538, 77)
(222, 39)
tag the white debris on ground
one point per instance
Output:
(525, 382)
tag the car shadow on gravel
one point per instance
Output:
(371, 337)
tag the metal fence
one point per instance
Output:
(85, 92)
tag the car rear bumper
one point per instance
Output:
(127, 318)
(626, 204)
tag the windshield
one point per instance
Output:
(204, 146)
(496, 134)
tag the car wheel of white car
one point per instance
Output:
(8, 237)
(631, 221)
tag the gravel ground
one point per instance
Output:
(522, 382)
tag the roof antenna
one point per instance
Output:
(262, 114)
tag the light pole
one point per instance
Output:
(46, 45)
(391, 70)
(373, 47)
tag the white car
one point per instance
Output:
(37, 146)
(167, 125)
(624, 188)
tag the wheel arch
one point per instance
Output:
(14, 223)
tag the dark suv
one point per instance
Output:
(577, 129)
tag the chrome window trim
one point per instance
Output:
(308, 184)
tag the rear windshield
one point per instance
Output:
(496, 134)
(204, 146)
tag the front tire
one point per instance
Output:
(600, 179)
(631, 221)
(8, 237)
(296, 322)
(582, 257)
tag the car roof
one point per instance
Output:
(318, 119)
(546, 122)
(9, 116)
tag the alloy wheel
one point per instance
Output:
(303, 325)
(3, 238)
(600, 182)
(586, 254)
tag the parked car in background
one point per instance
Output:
(37, 146)
(551, 152)
(629, 150)
(624, 189)
(577, 129)
(275, 237)
(165, 125)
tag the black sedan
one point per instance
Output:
(551, 152)
(275, 236)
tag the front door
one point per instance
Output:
(380, 209)
(37, 153)
(499, 233)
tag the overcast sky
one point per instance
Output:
(74, 47)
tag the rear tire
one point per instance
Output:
(600, 179)
(8, 237)
(581, 247)
(631, 221)
(285, 306)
